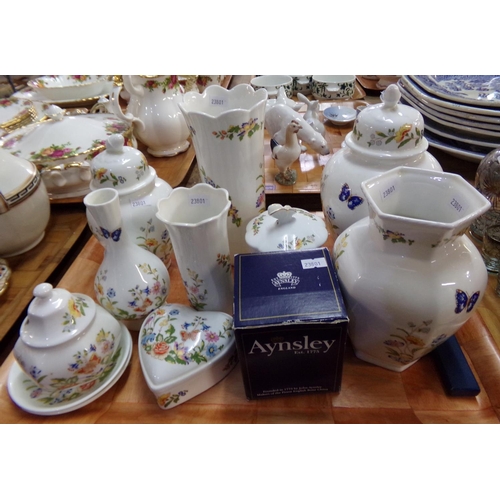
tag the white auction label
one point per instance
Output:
(199, 200)
(143, 202)
(313, 263)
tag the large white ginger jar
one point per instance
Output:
(409, 275)
(139, 189)
(384, 136)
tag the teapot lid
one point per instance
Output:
(121, 167)
(285, 228)
(55, 316)
(389, 129)
(17, 177)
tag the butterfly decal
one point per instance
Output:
(464, 301)
(115, 235)
(193, 335)
(353, 201)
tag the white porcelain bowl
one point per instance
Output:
(66, 341)
(24, 205)
(184, 352)
(69, 87)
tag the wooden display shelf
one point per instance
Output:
(369, 394)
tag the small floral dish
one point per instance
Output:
(340, 114)
(67, 345)
(69, 87)
(184, 352)
(285, 228)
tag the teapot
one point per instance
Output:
(154, 112)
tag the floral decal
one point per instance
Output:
(170, 82)
(330, 217)
(403, 346)
(257, 223)
(261, 193)
(89, 368)
(163, 338)
(142, 300)
(161, 248)
(340, 247)
(76, 309)
(10, 143)
(103, 175)
(54, 151)
(165, 400)
(224, 261)
(194, 288)
(296, 243)
(240, 131)
(393, 236)
(115, 127)
(5, 103)
(401, 136)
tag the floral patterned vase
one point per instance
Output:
(227, 129)
(153, 108)
(196, 221)
(131, 281)
(409, 275)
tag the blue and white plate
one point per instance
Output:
(340, 114)
(477, 90)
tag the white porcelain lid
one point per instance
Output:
(389, 129)
(13, 110)
(15, 174)
(55, 316)
(62, 137)
(120, 167)
(285, 228)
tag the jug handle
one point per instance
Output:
(117, 110)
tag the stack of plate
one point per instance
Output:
(461, 112)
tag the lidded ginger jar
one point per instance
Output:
(384, 136)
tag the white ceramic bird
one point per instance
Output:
(311, 115)
(285, 154)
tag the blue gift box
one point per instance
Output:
(290, 322)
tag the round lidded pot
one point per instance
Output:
(285, 228)
(24, 205)
(384, 136)
(126, 169)
(66, 341)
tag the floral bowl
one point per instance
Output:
(184, 352)
(66, 341)
(69, 87)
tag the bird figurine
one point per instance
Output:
(311, 115)
(285, 154)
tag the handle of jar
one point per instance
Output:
(131, 87)
(283, 214)
(117, 109)
(333, 88)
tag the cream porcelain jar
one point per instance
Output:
(24, 205)
(384, 136)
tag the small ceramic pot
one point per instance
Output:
(285, 228)
(333, 87)
(24, 205)
(184, 352)
(67, 343)
(272, 84)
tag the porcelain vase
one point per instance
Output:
(196, 220)
(227, 129)
(153, 108)
(131, 281)
(409, 275)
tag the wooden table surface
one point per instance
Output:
(369, 394)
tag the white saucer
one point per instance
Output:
(340, 114)
(21, 396)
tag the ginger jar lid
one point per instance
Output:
(389, 129)
(55, 316)
(121, 167)
(285, 228)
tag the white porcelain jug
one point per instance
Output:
(154, 111)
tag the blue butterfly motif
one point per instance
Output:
(352, 200)
(464, 301)
(115, 235)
